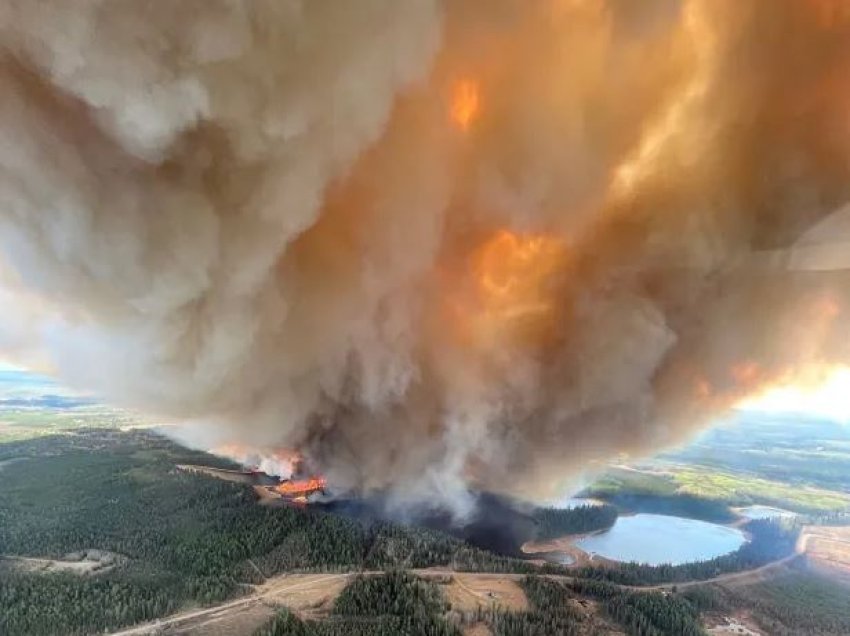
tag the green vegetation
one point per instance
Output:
(707, 494)
(635, 491)
(797, 602)
(555, 610)
(557, 522)
(396, 599)
(68, 604)
(799, 453)
(32, 423)
(392, 604)
(189, 539)
(771, 541)
(551, 612)
(285, 623)
(643, 613)
(743, 490)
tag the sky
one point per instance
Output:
(827, 400)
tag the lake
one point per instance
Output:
(658, 539)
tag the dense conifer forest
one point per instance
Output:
(556, 522)
(797, 601)
(184, 540)
(392, 604)
(187, 538)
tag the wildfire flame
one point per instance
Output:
(465, 103)
(662, 134)
(280, 462)
(301, 487)
(513, 280)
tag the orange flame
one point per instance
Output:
(513, 285)
(301, 487)
(465, 103)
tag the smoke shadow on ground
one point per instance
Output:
(496, 523)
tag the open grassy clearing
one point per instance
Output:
(677, 482)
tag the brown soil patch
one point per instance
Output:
(828, 549)
(240, 621)
(308, 595)
(739, 624)
(79, 564)
(566, 545)
(469, 591)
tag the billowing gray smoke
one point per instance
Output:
(430, 244)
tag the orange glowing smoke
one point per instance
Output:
(465, 104)
(830, 13)
(278, 461)
(514, 281)
(301, 487)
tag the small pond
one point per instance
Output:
(658, 539)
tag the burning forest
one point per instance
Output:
(436, 247)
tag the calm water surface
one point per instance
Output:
(658, 539)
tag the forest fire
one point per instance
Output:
(465, 104)
(283, 466)
(513, 287)
(439, 248)
(280, 462)
(301, 487)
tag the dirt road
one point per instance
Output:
(273, 587)
(281, 590)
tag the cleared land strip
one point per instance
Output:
(301, 591)
(286, 583)
(282, 589)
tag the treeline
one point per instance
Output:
(555, 610)
(643, 613)
(393, 604)
(674, 504)
(797, 602)
(550, 613)
(68, 604)
(556, 522)
(771, 540)
(189, 538)
(830, 519)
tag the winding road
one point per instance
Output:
(286, 583)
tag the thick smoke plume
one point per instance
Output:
(432, 245)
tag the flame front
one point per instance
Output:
(301, 487)
(465, 104)
(515, 278)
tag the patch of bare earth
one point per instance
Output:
(469, 591)
(740, 624)
(80, 563)
(308, 595)
(828, 549)
(238, 621)
(564, 545)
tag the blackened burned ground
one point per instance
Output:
(191, 541)
(188, 538)
(493, 523)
